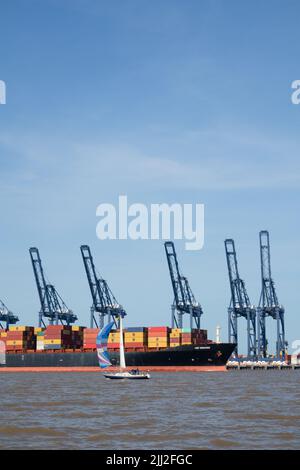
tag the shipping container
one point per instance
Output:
(134, 344)
(21, 328)
(136, 329)
(158, 328)
(158, 334)
(52, 341)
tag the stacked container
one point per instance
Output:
(114, 339)
(58, 337)
(193, 336)
(40, 339)
(89, 338)
(175, 337)
(135, 337)
(186, 336)
(20, 338)
(158, 337)
(199, 336)
(77, 336)
(3, 335)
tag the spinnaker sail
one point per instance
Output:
(101, 344)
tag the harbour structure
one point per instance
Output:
(184, 299)
(103, 300)
(240, 305)
(269, 306)
(53, 308)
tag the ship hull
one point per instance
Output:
(183, 356)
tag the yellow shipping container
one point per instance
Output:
(162, 338)
(37, 330)
(173, 345)
(3, 334)
(18, 328)
(17, 342)
(52, 341)
(158, 339)
(75, 328)
(134, 337)
(176, 330)
(186, 342)
(160, 343)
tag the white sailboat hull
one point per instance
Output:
(127, 375)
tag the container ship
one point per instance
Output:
(75, 346)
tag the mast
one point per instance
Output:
(122, 354)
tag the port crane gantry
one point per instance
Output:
(268, 304)
(104, 302)
(6, 316)
(184, 299)
(52, 305)
(240, 305)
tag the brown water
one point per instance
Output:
(234, 410)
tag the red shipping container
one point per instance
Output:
(158, 334)
(52, 328)
(133, 345)
(113, 345)
(158, 328)
(91, 330)
(16, 335)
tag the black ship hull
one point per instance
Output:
(182, 356)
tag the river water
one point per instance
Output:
(233, 410)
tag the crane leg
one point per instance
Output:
(172, 316)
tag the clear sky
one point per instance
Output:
(165, 101)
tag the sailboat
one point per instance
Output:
(104, 360)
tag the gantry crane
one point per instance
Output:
(6, 316)
(104, 302)
(184, 299)
(269, 305)
(52, 305)
(240, 305)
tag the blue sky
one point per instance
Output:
(163, 101)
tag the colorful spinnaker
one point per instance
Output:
(101, 344)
